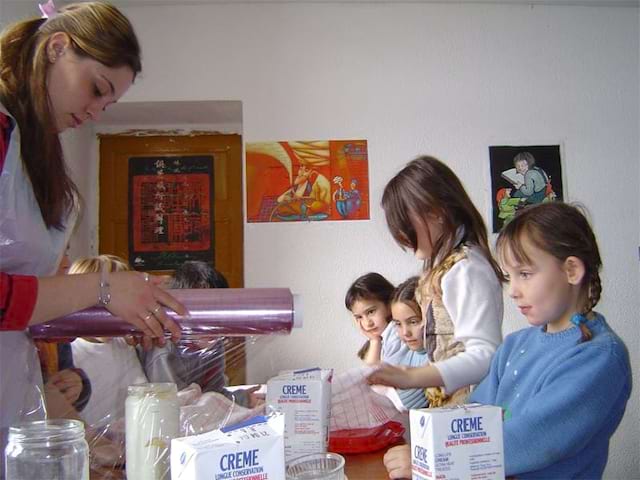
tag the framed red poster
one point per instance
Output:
(170, 211)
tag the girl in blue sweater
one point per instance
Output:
(563, 383)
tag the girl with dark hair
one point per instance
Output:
(368, 301)
(196, 274)
(460, 293)
(391, 320)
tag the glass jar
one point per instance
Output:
(316, 466)
(152, 419)
(52, 449)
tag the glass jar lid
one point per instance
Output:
(152, 389)
(47, 432)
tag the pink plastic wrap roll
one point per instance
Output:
(216, 311)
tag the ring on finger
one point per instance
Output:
(146, 277)
(156, 310)
(147, 316)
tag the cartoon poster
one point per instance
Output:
(292, 181)
(522, 176)
(170, 211)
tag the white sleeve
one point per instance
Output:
(472, 295)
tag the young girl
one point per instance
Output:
(110, 363)
(563, 383)
(428, 210)
(391, 319)
(408, 324)
(368, 301)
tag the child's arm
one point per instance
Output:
(406, 377)
(472, 295)
(372, 355)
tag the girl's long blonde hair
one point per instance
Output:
(112, 263)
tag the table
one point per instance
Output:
(365, 466)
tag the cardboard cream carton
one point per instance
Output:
(457, 443)
(304, 396)
(251, 450)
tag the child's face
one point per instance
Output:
(541, 289)
(522, 166)
(409, 324)
(428, 232)
(372, 316)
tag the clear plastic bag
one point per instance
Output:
(364, 418)
(208, 402)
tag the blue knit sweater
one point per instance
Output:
(562, 399)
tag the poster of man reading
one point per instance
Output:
(522, 176)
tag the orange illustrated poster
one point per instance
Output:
(307, 181)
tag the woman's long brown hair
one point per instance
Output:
(97, 30)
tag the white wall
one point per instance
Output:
(411, 78)
(448, 80)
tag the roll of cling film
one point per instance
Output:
(216, 311)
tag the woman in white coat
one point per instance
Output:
(57, 72)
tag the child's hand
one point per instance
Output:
(373, 337)
(68, 383)
(391, 376)
(406, 377)
(256, 399)
(372, 334)
(397, 461)
(57, 404)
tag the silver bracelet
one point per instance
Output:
(104, 295)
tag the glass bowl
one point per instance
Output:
(316, 466)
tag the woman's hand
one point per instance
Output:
(68, 383)
(397, 461)
(140, 300)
